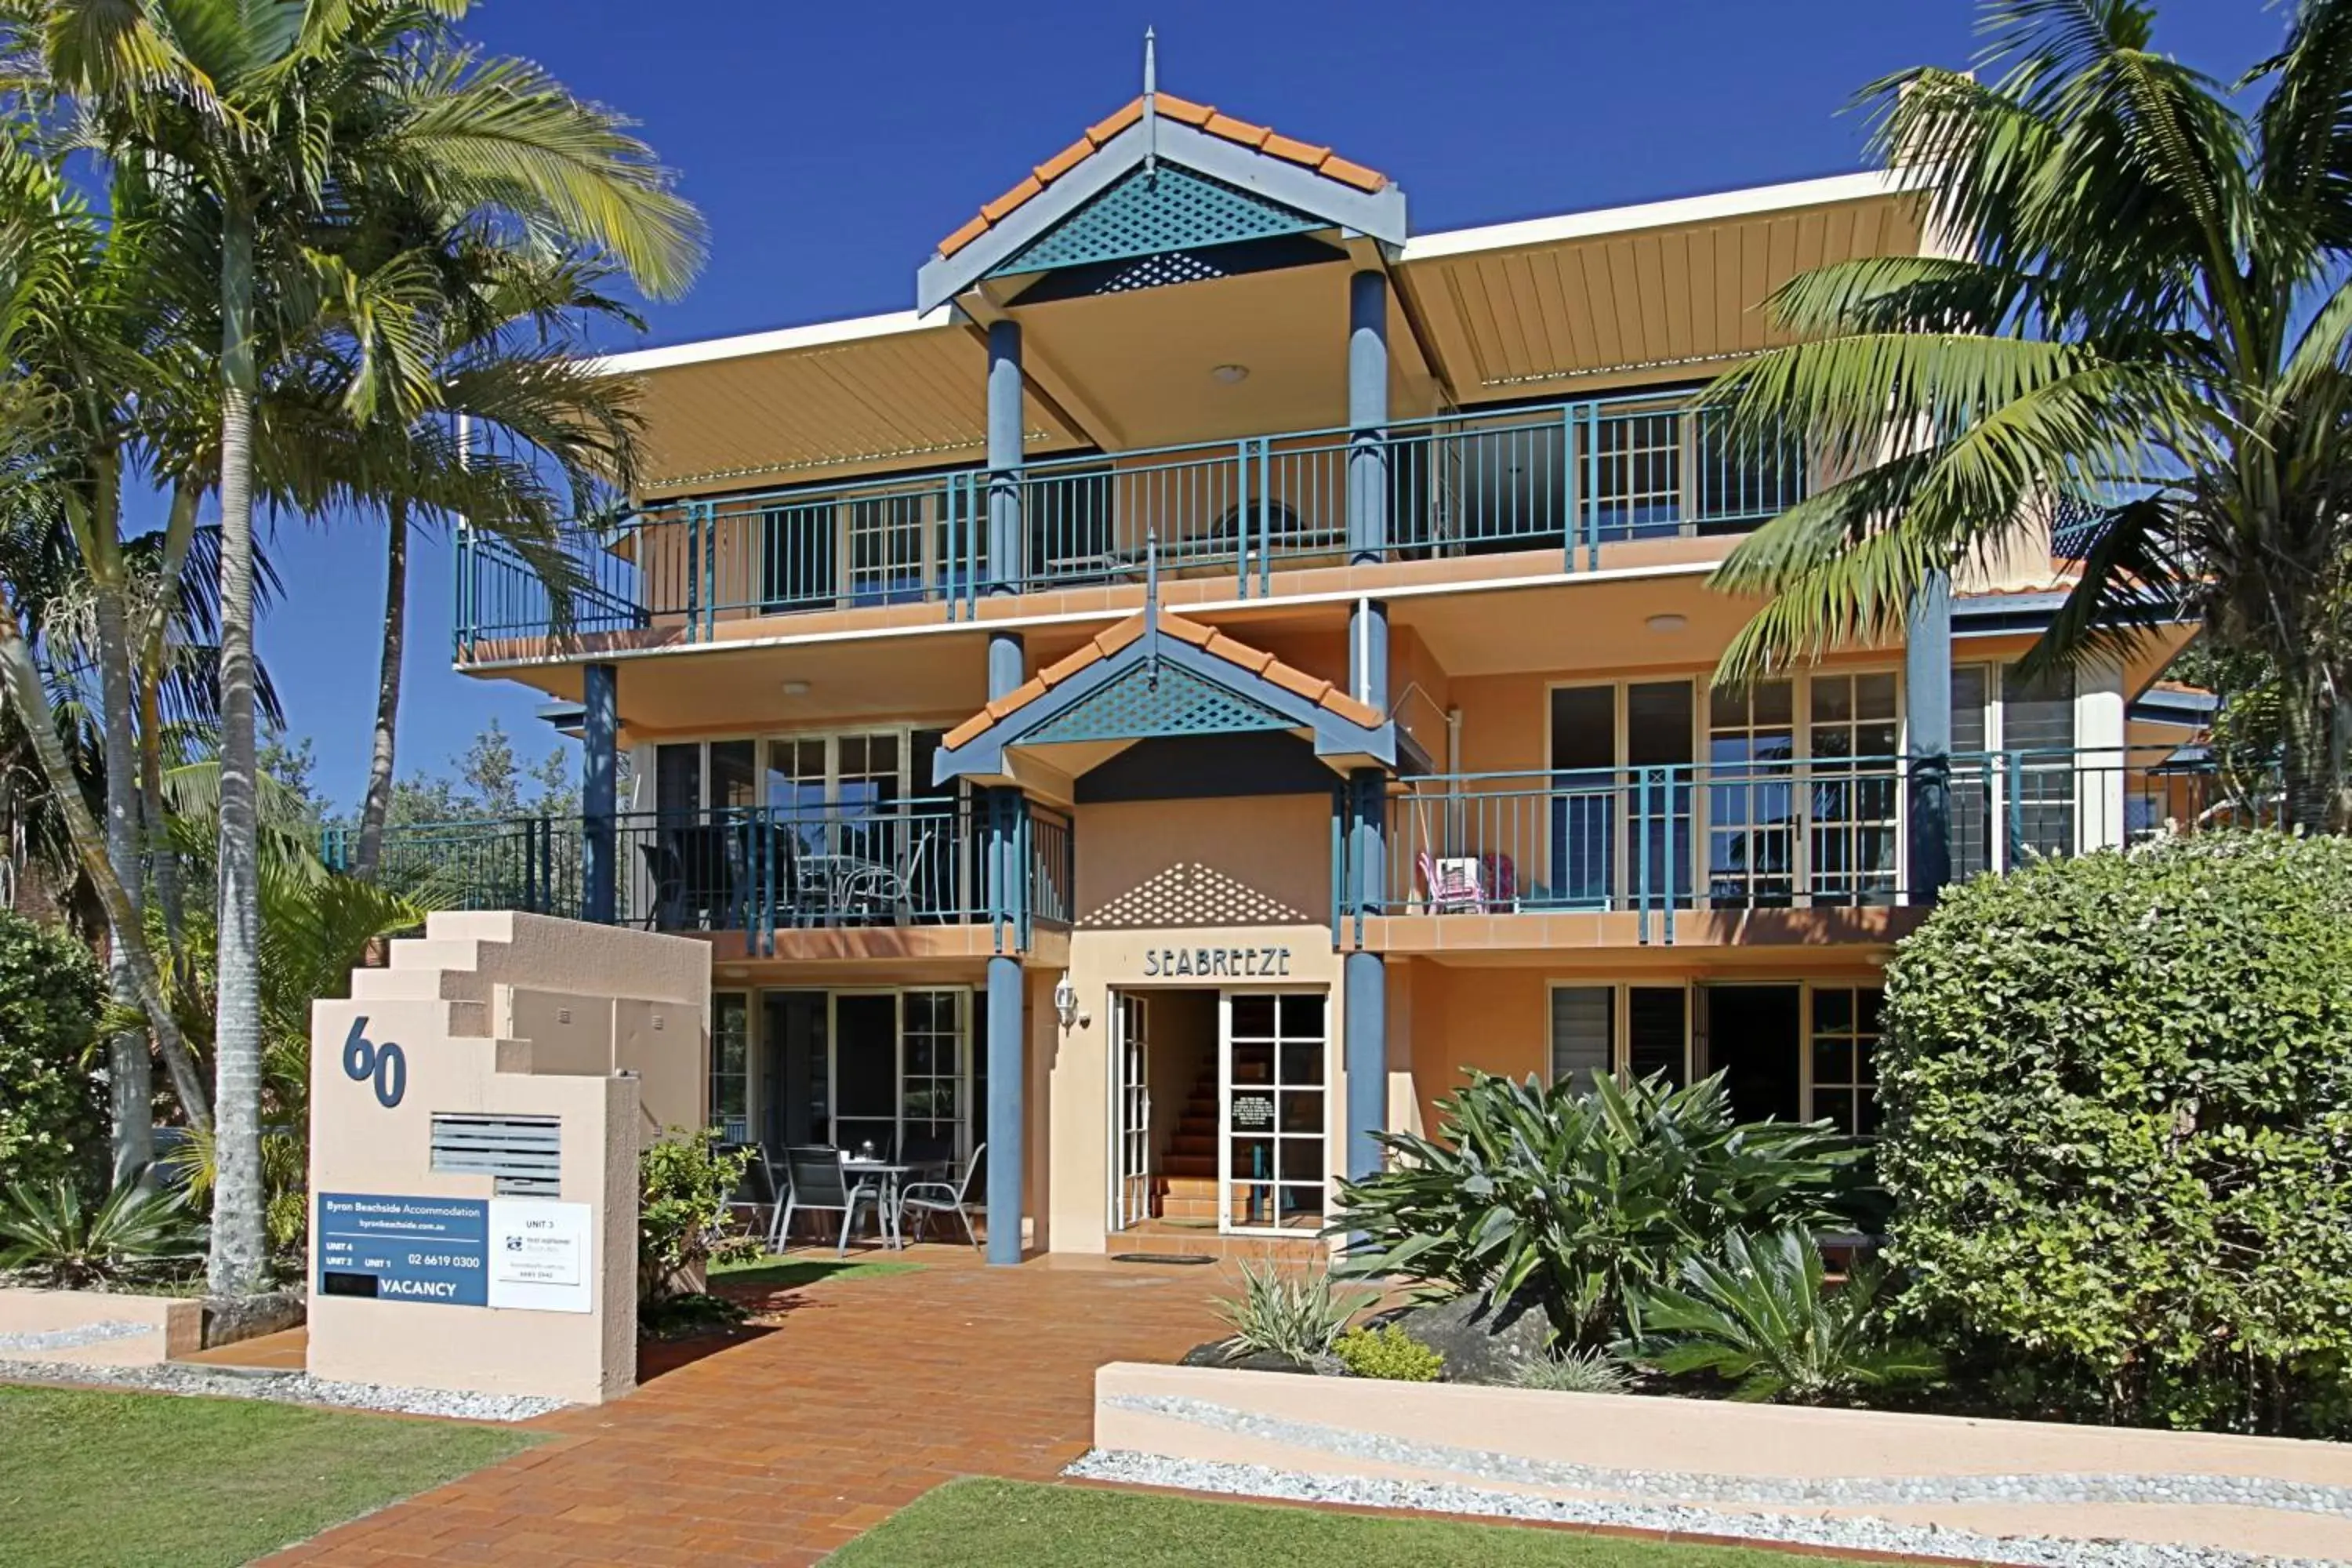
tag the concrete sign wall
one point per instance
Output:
(478, 1106)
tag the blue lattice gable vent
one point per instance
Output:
(1154, 211)
(1153, 699)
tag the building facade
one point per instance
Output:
(1225, 663)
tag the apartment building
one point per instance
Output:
(1224, 663)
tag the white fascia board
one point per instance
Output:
(815, 335)
(1725, 204)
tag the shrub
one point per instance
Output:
(2118, 1133)
(684, 1222)
(1582, 1198)
(51, 1234)
(1575, 1372)
(1755, 1314)
(1295, 1315)
(1388, 1352)
(53, 1114)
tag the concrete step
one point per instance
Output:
(435, 953)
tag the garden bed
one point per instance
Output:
(1981, 1489)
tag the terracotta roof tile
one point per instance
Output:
(1240, 130)
(1233, 651)
(1062, 668)
(1184, 111)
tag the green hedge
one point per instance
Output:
(2119, 1134)
(52, 1108)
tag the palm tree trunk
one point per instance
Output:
(163, 859)
(20, 673)
(378, 804)
(239, 1256)
(129, 1069)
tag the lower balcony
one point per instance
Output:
(756, 870)
(1663, 854)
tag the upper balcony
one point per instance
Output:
(1563, 479)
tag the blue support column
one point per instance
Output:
(1368, 416)
(1008, 1083)
(1004, 454)
(1927, 708)
(600, 775)
(1365, 978)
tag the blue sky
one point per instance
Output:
(831, 145)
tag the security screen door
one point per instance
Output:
(1272, 1153)
(1130, 1110)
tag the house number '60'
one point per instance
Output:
(386, 1063)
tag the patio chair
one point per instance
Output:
(930, 1155)
(1452, 886)
(929, 1200)
(819, 1185)
(667, 909)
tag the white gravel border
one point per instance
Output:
(291, 1388)
(1865, 1534)
(74, 1338)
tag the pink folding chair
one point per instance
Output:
(1452, 886)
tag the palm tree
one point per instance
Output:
(2136, 321)
(73, 339)
(274, 118)
(505, 370)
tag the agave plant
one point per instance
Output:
(1757, 1314)
(50, 1233)
(1586, 1199)
(1297, 1315)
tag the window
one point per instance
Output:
(1971, 782)
(678, 778)
(886, 549)
(1751, 796)
(932, 1078)
(1657, 1032)
(1851, 740)
(798, 556)
(1637, 476)
(2037, 728)
(730, 1065)
(1845, 1056)
(1583, 1034)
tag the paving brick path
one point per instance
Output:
(867, 1392)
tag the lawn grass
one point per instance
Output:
(122, 1480)
(980, 1523)
(786, 1273)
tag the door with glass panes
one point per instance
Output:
(1273, 1148)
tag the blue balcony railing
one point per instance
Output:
(1769, 832)
(752, 869)
(1568, 477)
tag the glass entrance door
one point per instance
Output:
(1272, 1150)
(1130, 1110)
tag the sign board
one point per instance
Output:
(404, 1248)
(540, 1257)
(1217, 963)
(1253, 1110)
(527, 1254)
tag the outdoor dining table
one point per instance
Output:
(889, 1173)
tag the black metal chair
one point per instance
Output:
(819, 1185)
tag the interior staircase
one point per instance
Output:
(1185, 1187)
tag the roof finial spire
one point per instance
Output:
(1151, 102)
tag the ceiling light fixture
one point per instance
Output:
(796, 688)
(1231, 375)
(1667, 623)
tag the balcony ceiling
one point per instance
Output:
(1550, 308)
(1672, 289)
(872, 396)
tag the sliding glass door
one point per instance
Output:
(889, 1069)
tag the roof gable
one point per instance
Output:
(1234, 176)
(1128, 684)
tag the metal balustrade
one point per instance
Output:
(1818, 833)
(751, 868)
(1569, 476)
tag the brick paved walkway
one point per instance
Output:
(868, 1393)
